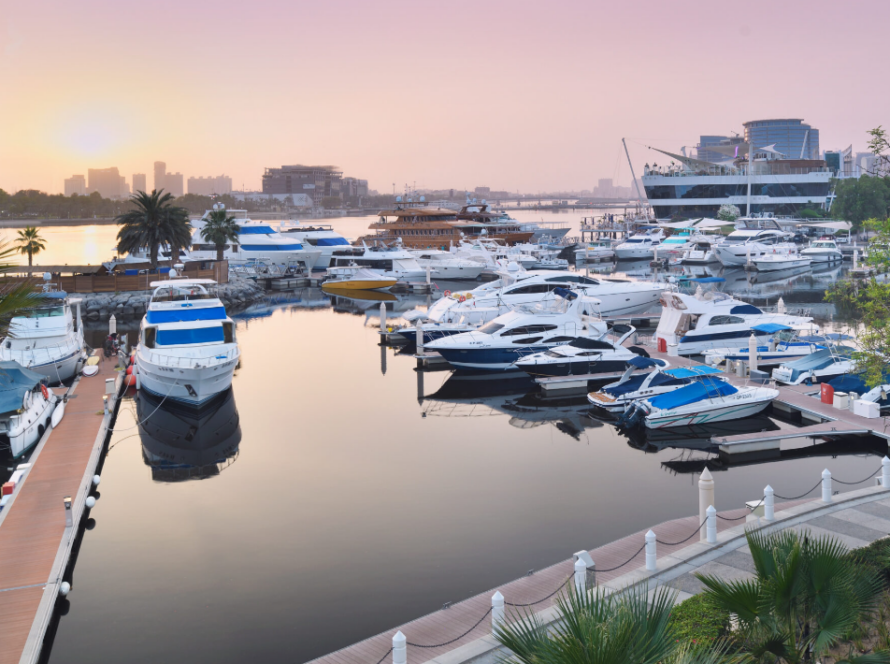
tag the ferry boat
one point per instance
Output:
(322, 237)
(26, 407)
(187, 349)
(48, 339)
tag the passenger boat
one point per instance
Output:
(823, 250)
(322, 237)
(819, 367)
(26, 407)
(445, 265)
(639, 245)
(48, 339)
(700, 322)
(583, 356)
(392, 262)
(597, 250)
(705, 400)
(497, 345)
(356, 278)
(632, 386)
(187, 349)
(783, 345)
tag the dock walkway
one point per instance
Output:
(35, 544)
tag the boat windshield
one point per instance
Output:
(823, 245)
(180, 294)
(738, 239)
(46, 312)
(490, 328)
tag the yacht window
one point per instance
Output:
(767, 240)
(585, 342)
(527, 340)
(561, 340)
(311, 240)
(530, 289)
(47, 312)
(150, 333)
(725, 320)
(587, 353)
(575, 279)
(490, 328)
(228, 332)
(528, 329)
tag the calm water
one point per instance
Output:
(337, 492)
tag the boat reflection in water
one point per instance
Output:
(186, 443)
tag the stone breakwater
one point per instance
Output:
(239, 292)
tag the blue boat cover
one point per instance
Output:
(708, 280)
(771, 328)
(745, 309)
(814, 338)
(566, 293)
(131, 273)
(699, 390)
(271, 247)
(633, 384)
(692, 372)
(256, 230)
(834, 336)
(15, 380)
(55, 295)
(641, 362)
(849, 383)
(186, 315)
(331, 241)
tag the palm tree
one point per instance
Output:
(807, 594)
(220, 230)
(29, 242)
(15, 298)
(595, 627)
(151, 222)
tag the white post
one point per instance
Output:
(855, 259)
(69, 521)
(427, 273)
(419, 337)
(497, 611)
(712, 525)
(748, 252)
(780, 306)
(885, 473)
(826, 486)
(769, 504)
(112, 324)
(399, 649)
(382, 317)
(654, 253)
(705, 498)
(650, 552)
(752, 353)
(580, 575)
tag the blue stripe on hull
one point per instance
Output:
(493, 359)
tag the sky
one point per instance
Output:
(517, 95)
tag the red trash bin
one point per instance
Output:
(827, 394)
(662, 345)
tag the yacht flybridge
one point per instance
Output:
(187, 348)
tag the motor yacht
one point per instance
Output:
(823, 250)
(493, 254)
(356, 278)
(818, 367)
(595, 251)
(783, 345)
(583, 356)
(634, 386)
(675, 245)
(323, 238)
(26, 407)
(497, 345)
(47, 339)
(746, 244)
(394, 262)
(444, 264)
(705, 400)
(187, 348)
(639, 245)
(712, 319)
(781, 260)
(702, 251)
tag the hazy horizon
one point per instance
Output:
(510, 95)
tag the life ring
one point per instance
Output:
(447, 293)
(45, 391)
(462, 298)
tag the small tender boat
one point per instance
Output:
(783, 346)
(818, 367)
(356, 278)
(583, 356)
(705, 400)
(824, 250)
(26, 407)
(700, 252)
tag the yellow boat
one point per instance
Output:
(356, 279)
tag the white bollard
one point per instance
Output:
(885, 473)
(419, 338)
(112, 324)
(399, 649)
(497, 611)
(769, 505)
(711, 526)
(855, 259)
(826, 486)
(382, 317)
(705, 498)
(580, 576)
(650, 552)
(780, 306)
(752, 353)
(427, 274)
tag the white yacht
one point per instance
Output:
(781, 260)
(583, 356)
(321, 237)
(26, 407)
(48, 339)
(595, 251)
(823, 250)
(675, 245)
(187, 348)
(633, 386)
(493, 254)
(702, 251)
(445, 265)
(819, 367)
(394, 262)
(257, 241)
(751, 241)
(782, 346)
(639, 245)
(697, 323)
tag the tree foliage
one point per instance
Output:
(30, 243)
(728, 212)
(859, 199)
(220, 230)
(151, 222)
(17, 297)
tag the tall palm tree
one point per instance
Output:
(220, 230)
(29, 242)
(151, 222)
(17, 297)
(807, 594)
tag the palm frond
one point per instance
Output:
(742, 598)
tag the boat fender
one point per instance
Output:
(469, 296)
(45, 391)
(129, 369)
(447, 293)
(130, 380)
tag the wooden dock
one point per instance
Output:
(35, 543)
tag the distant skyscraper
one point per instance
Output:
(107, 181)
(160, 175)
(792, 138)
(76, 184)
(222, 184)
(139, 183)
(174, 184)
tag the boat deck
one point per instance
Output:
(34, 542)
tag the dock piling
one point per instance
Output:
(885, 472)
(769, 504)
(651, 565)
(112, 324)
(580, 575)
(399, 649)
(382, 317)
(68, 519)
(826, 486)
(705, 498)
(711, 527)
(752, 354)
(497, 611)
(419, 337)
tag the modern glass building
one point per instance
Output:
(792, 137)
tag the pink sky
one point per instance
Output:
(507, 94)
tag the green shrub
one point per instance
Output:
(876, 555)
(698, 620)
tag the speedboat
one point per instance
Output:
(496, 346)
(746, 244)
(595, 251)
(445, 265)
(818, 367)
(782, 346)
(48, 339)
(583, 356)
(634, 386)
(392, 262)
(700, 252)
(712, 319)
(323, 238)
(26, 407)
(784, 260)
(639, 245)
(187, 349)
(675, 245)
(705, 400)
(356, 278)
(823, 250)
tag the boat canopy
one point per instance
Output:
(53, 295)
(184, 315)
(771, 328)
(692, 372)
(745, 309)
(641, 362)
(707, 388)
(15, 381)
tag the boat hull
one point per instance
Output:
(359, 284)
(60, 370)
(189, 385)
(576, 368)
(729, 411)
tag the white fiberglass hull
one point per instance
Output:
(819, 256)
(707, 412)
(189, 380)
(781, 263)
(28, 427)
(57, 369)
(633, 252)
(458, 272)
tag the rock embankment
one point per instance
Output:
(239, 292)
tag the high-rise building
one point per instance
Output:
(76, 184)
(210, 186)
(107, 181)
(316, 181)
(482, 192)
(791, 137)
(354, 188)
(139, 182)
(160, 175)
(171, 183)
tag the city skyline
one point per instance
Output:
(561, 85)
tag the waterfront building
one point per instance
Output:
(791, 138)
(483, 192)
(289, 200)
(210, 186)
(76, 184)
(139, 182)
(108, 182)
(354, 188)
(316, 182)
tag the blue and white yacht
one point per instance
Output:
(584, 356)
(187, 348)
(819, 367)
(782, 346)
(321, 237)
